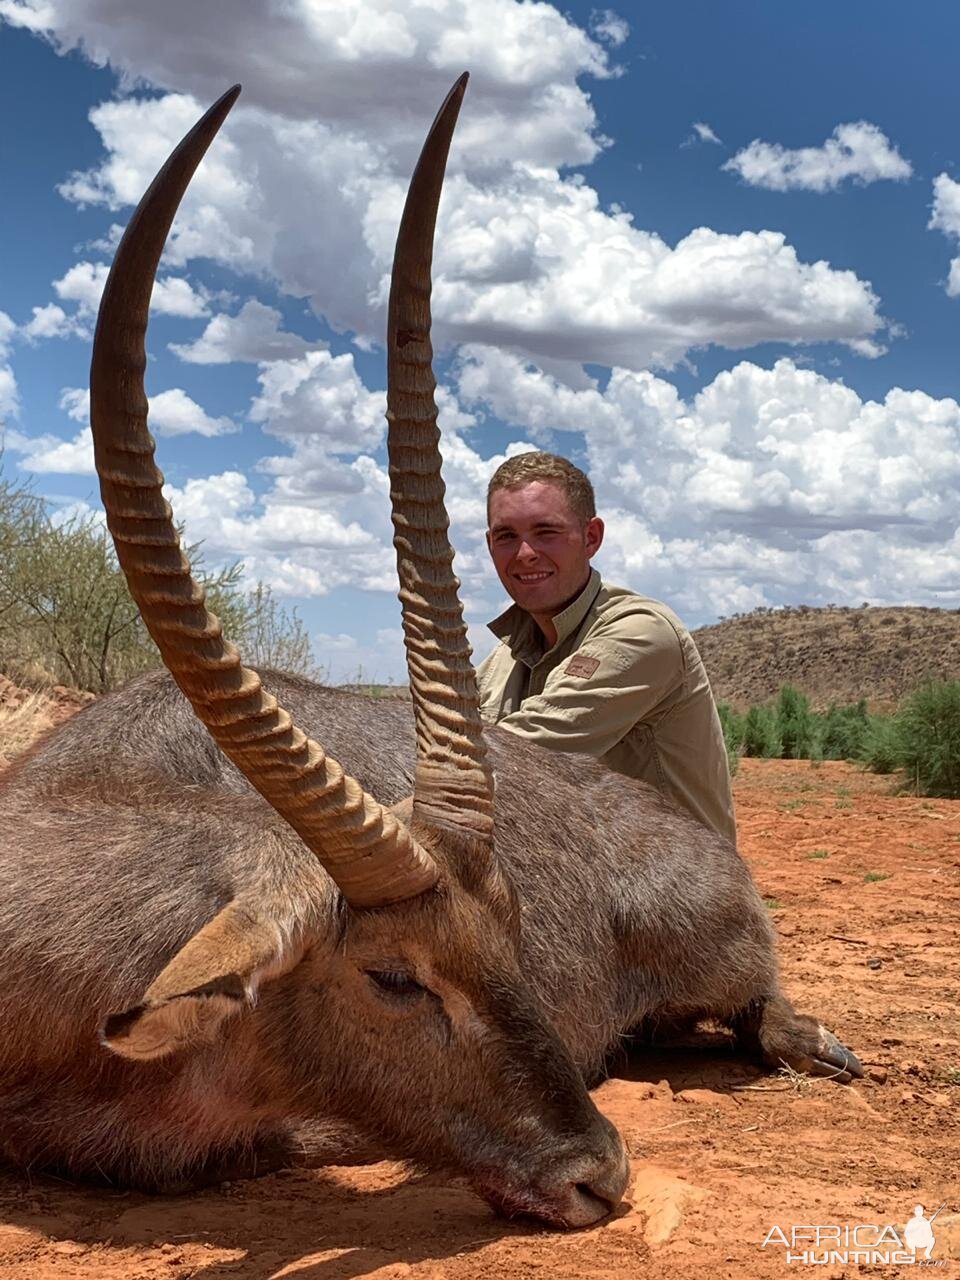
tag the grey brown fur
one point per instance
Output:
(125, 832)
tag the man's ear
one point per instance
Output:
(593, 535)
(213, 977)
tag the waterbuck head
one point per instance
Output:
(375, 965)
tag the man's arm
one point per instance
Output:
(622, 673)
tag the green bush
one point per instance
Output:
(928, 738)
(732, 725)
(761, 736)
(880, 748)
(844, 730)
(922, 739)
(796, 726)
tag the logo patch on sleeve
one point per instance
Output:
(581, 665)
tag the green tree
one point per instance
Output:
(796, 726)
(21, 512)
(761, 736)
(66, 614)
(844, 730)
(928, 738)
(78, 620)
(273, 637)
(880, 749)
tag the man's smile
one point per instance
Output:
(538, 576)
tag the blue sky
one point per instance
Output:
(689, 246)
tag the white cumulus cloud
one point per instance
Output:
(363, 66)
(347, 660)
(858, 151)
(771, 484)
(51, 321)
(254, 334)
(945, 217)
(172, 413)
(305, 184)
(702, 132)
(558, 277)
(83, 284)
(48, 453)
(320, 399)
(296, 546)
(609, 27)
(9, 396)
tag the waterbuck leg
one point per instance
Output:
(319, 1142)
(309, 1145)
(678, 1031)
(266, 1154)
(772, 1030)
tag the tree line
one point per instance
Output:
(921, 738)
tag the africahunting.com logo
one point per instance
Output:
(863, 1244)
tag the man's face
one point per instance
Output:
(540, 547)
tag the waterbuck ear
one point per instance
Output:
(213, 977)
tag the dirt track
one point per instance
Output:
(721, 1153)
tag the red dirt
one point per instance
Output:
(60, 702)
(721, 1152)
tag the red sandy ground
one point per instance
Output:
(60, 702)
(865, 891)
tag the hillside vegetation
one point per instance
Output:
(834, 654)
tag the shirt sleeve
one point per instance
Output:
(621, 675)
(488, 703)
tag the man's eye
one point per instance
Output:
(395, 982)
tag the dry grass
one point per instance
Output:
(21, 723)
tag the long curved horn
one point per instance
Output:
(370, 855)
(453, 782)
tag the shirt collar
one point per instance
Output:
(517, 629)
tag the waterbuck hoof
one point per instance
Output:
(834, 1059)
(786, 1038)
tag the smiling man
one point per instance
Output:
(586, 666)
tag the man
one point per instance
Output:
(586, 666)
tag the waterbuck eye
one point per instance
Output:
(396, 983)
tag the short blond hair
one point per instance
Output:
(552, 469)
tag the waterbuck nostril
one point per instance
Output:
(609, 1180)
(597, 1183)
(591, 1193)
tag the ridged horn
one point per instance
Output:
(369, 854)
(453, 782)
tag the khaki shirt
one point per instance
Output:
(625, 683)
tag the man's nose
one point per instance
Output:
(526, 552)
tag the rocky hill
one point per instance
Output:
(833, 654)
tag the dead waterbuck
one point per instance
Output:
(201, 956)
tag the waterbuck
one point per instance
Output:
(207, 942)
